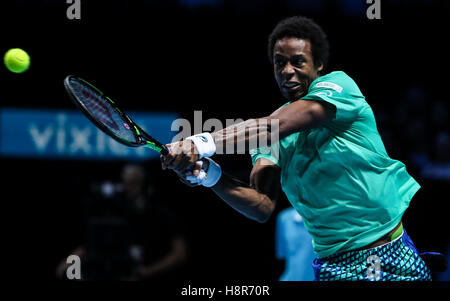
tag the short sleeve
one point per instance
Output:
(341, 91)
(270, 153)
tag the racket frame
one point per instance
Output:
(142, 137)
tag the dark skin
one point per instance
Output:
(294, 70)
(293, 63)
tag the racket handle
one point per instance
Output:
(202, 174)
(164, 151)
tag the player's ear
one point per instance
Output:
(320, 68)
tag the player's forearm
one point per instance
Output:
(295, 117)
(246, 135)
(244, 199)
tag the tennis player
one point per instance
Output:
(329, 160)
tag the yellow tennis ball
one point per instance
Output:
(17, 60)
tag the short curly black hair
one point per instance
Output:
(302, 28)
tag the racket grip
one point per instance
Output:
(201, 176)
(164, 151)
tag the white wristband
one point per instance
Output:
(204, 143)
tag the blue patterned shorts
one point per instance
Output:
(395, 261)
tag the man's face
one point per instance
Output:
(294, 67)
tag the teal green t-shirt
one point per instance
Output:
(338, 176)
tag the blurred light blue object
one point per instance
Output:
(293, 243)
(68, 134)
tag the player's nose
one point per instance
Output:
(288, 70)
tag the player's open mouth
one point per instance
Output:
(291, 85)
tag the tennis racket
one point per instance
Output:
(107, 116)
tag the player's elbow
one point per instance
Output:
(259, 212)
(265, 212)
(263, 218)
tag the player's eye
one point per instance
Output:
(279, 63)
(298, 62)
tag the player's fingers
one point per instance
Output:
(175, 162)
(183, 165)
(175, 155)
(193, 158)
(197, 168)
(187, 167)
(167, 159)
(174, 158)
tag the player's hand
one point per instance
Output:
(181, 157)
(186, 177)
(210, 173)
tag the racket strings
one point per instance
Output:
(99, 109)
(102, 111)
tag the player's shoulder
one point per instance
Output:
(339, 76)
(338, 81)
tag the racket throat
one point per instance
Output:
(152, 146)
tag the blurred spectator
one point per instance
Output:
(424, 141)
(130, 236)
(293, 244)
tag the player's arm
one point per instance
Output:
(297, 116)
(255, 200)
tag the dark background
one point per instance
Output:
(171, 56)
